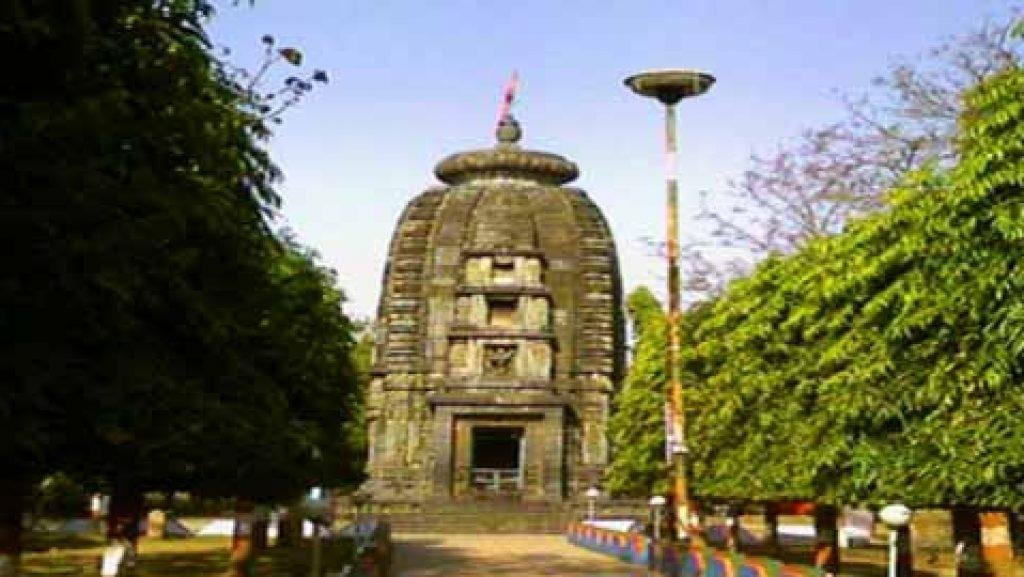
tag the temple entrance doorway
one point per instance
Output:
(499, 453)
(496, 460)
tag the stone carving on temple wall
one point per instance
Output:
(462, 310)
(536, 313)
(531, 274)
(499, 360)
(458, 358)
(413, 441)
(538, 360)
(469, 330)
(478, 310)
(478, 271)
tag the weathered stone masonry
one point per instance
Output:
(499, 334)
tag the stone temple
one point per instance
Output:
(499, 335)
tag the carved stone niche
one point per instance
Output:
(502, 313)
(499, 360)
(503, 271)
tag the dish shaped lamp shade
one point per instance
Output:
(896, 515)
(670, 86)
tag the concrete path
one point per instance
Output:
(501, 556)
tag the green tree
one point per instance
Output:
(355, 426)
(156, 333)
(886, 362)
(636, 429)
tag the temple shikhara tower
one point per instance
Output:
(499, 334)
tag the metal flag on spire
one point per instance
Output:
(509, 96)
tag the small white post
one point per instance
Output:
(892, 552)
(592, 494)
(656, 503)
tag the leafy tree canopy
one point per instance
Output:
(636, 428)
(156, 333)
(885, 362)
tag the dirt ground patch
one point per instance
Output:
(423, 555)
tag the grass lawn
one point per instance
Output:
(196, 556)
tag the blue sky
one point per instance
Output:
(414, 81)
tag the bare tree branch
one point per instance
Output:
(813, 186)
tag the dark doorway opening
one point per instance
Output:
(497, 459)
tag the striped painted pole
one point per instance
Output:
(669, 87)
(678, 422)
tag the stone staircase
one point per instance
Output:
(472, 517)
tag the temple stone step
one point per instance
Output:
(469, 522)
(476, 516)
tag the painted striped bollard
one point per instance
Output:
(753, 568)
(692, 564)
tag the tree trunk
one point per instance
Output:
(967, 541)
(982, 540)
(732, 538)
(1017, 532)
(771, 523)
(287, 529)
(241, 561)
(260, 523)
(826, 539)
(125, 514)
(12, 509)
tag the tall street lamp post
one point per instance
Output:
(669, 87)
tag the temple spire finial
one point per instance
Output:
(508, 130)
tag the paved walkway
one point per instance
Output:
(501, 556)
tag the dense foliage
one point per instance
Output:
(355, 430)
(156, 333)
(885, 362)
(636, 428)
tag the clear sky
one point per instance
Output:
(413, 81)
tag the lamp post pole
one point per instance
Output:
(897, 518)
(669, 87)
(317, 509)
